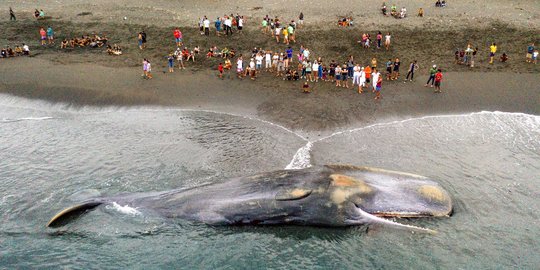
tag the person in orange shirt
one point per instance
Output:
(367, 70)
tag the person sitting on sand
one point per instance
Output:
(420, 12)
(26, 49)
(504, 57)
(228, 64)
(393, 10)
(403, 13)
(64, 44)
(438, 3)
(305, 88)
(10, 52)
(384, 9)
(210, 53)
(3, 53)
(443, 3)
(36, 14)
(41, 14)
(18, 50)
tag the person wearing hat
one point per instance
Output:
(432, 73)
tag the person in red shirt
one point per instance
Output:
(438, 79)
(178, 37)
(43, 35)
(220, 69)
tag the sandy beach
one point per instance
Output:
(85, 76)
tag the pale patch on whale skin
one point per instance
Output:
(433, 193)
(346, 186)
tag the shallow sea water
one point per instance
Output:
(52, 156)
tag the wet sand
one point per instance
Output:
(282, 102)
(84, 76)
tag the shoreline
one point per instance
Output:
(280, 102)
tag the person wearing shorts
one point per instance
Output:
(178, 37)
(378, 87)
(438, 79)
(43, 35)
(367, 70)
(344, 77)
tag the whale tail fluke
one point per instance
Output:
(67, 215)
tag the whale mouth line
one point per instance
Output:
(375, 219)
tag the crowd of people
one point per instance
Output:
(7, 51)
(284, 64)
(92, 41)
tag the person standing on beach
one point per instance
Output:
(375, 76)
(178, 37)
(148, 70)
(378, 87)
(50, 35)
(145, 68)
(300, 20)
(217, 24)
(43, 35)
(412, 67)
(492, 51)
(362, 82)
(12, 15)
(228, 25)
(432, 73)
(395, 74)
(530, 51)
(387, 41)
(143, 39)
(170, 60)
(438, 80)
(379, 40)
(240, 67)
(206, 25)
(139, 40)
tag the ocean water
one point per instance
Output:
(52, 156)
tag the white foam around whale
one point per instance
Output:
(126, 209)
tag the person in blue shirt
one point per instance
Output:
(530, 51)
(50, 35)
(217, 23)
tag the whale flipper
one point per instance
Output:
(73, 212)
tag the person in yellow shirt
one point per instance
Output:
(492, 51)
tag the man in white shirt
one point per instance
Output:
(240, 24)
(268, 60)
(375, 76)
(206, 25)
(240, 67)
(228, 26)
(258, 60)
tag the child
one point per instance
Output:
(378, 88)
(220, 70)
(438, 79)
(305, 88)
(170, 60)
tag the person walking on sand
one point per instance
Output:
(492, 51)
(217, 24)
(438, 80)
(432, 72)
(43, 35)
(412, 68)
(12, 15)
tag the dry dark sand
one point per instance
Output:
(327, 108)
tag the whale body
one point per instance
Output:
(330, 195)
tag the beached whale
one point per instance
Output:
(331, 195)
